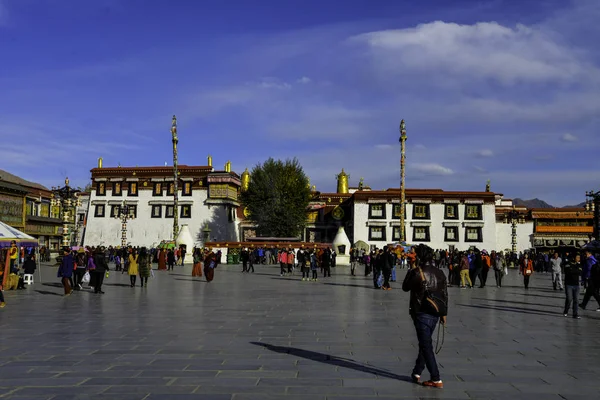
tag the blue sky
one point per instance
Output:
(502, 90)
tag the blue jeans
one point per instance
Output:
(572, 297)
(425, 326)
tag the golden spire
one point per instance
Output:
(100, 162)
(245, 180)
(342, 179)
(209, 158)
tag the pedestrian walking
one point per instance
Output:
(573, 272)
(591, 277)
(65, 271)
(428, 305)
(555, 265)
(526, 270)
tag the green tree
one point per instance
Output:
(277, 198)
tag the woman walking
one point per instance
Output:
(526, 270)
(197, 256)
(210, 263)
(145, 266)
(133, 266)
(499, 264)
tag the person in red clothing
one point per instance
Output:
(526, 269)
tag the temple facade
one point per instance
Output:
(208, 203)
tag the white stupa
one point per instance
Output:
(341, 245)
(185, 238)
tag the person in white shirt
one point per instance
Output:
(555, 265)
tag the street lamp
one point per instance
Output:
(67, 199)
(125, 213)
(592, 203)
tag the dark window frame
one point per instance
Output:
(396, 206)
(479, 212)
(170, 189)
(455, 207)
(156, 193)
(427, 234)
(170, 208)
(115, 210)
(158, 207)
(132, 210)
(189, 208)
(427, 211)
(114, 189)
(394, 236)
(456, 233)
(479, 234)
(383, 234)
(187, 189)
(98, 191)
(133, 192)
(97, 208)
(383, 211)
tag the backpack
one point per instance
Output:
(433, 303)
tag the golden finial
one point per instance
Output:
(67, 181)
(342, 186)
(209, 158)
(100, 162)
(245, 180)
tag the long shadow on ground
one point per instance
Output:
(45, 292)
(348, 284)
(332, 360)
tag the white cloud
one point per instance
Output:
(485, 153)
(485, 50)
(270, 83)
(432, 169)
(567, 137)
(304, 80)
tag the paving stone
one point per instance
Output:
(251, 336)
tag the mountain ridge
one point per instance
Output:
(539, 203)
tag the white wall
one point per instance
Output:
(504, 236)
(148, 231)
(436, 229)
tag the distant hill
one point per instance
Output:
(533, 203)
(537, 203)
(580, 205)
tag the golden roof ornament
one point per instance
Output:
(245, 180)
(342, 179)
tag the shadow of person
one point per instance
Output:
(45, 292)
(332, 360)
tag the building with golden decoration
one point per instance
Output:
(26, 206)
(208, 203)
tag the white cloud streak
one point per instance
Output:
(486, 50)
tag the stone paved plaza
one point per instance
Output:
(263, 337)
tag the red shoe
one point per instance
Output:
(433, 384)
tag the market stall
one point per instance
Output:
(7, 235)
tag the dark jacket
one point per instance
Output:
(572, 273)
(436, 283)
(66, 267)
(100, 261)
(29, 266)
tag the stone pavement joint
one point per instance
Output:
(261, 336)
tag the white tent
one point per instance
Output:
(8, 234)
